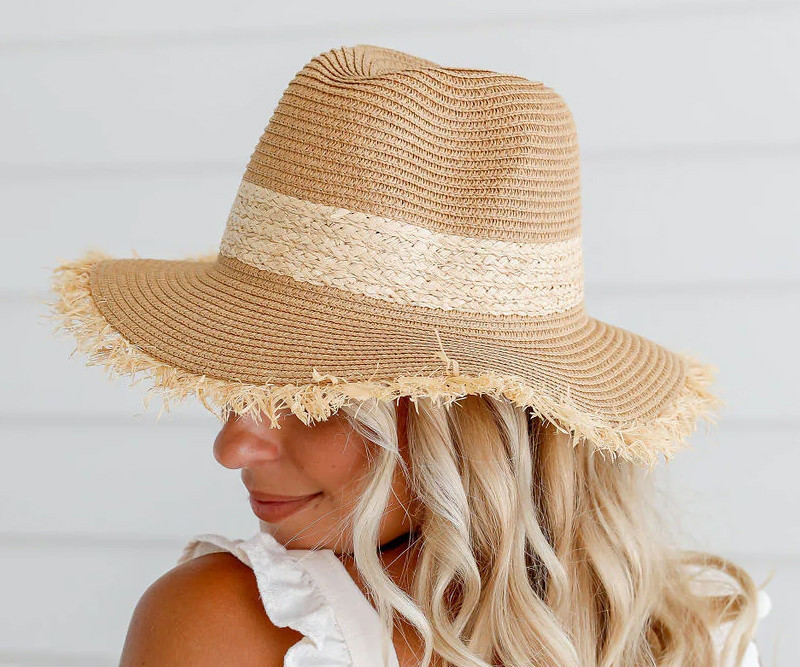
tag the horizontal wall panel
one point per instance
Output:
(730, 490)
(190, 101)
(74, 600)
(53, 20)
(721, 220)
(748, 336)
(168, 217)
(697, 222)
(119, 483)
(77, 601)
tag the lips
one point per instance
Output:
(272, 498)
(277, 510)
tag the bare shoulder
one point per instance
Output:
(205, 611)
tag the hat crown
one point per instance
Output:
(386, 175)
(462, 151)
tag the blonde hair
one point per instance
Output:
(535, 549)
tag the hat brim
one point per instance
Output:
(251, 341)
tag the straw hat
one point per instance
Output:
(402, 228)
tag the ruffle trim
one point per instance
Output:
(290, 596)
(640, 443)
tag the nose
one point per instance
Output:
(240, 444)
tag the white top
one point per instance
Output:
(312, 592)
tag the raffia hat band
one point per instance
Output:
(369, 254)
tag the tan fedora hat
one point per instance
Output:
(402, 228)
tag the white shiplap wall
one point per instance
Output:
(127, 127)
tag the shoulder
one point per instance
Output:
(205, 611)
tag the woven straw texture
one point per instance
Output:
(402, 228)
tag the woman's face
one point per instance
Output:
(324, 465)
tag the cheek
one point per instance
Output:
(336, 464)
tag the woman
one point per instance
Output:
(447, 455)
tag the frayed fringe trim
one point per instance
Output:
(76, 312)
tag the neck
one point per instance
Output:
(397, 555)
(400, 540)
(403, 541)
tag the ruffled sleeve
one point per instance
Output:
(292, 598)
(290, 595)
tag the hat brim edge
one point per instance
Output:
(76, 312)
